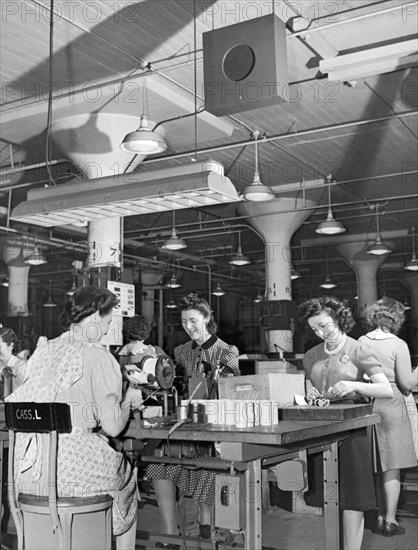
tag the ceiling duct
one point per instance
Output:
(193, 185)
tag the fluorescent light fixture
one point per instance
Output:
(191, 185)
(371, 62)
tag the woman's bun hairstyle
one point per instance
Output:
(86, 301)
(193, 301)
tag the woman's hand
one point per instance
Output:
(134, 397)
(343, 388)
(313, 394)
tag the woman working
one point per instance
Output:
(334, 370)
(395, 441)
(75, 368)
(205, 352)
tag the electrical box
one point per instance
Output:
(230, 501)
(278, 315)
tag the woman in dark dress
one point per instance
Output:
(334, 370)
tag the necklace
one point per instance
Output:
(337, 349)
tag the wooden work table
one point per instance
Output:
(262, 446)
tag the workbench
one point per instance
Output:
(261, 446)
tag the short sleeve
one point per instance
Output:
(366, 360)
(106, 383)
(229, 357)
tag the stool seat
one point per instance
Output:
(99, 502)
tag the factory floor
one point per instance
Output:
(282, 529)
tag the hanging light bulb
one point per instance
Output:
(257, 191)
(219, 291)
(239, 258)
(328, 283)
(379, 247)
(412, 265)
(143, 141)
(174, 242)
(36, 258)
(330, 226)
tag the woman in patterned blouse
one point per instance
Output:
(206, 353)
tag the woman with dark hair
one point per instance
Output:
(395, 435)
(334, 370)
(12, 368)
(75, 368)
(205, 353)
(136, 330)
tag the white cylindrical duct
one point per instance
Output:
(18, 279)
(104, 242)
(149, 278)
(276, 221)
(366, 267)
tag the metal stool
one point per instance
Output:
(49, 522)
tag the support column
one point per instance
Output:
(366, 267)
(148, 280)
(276, 221)
(18, 279)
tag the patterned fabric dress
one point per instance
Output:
(356, 485)
(395, 442)
(197, 483)
(88, 378)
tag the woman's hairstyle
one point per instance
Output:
(386, 313)
(193, 301)
(85, 302)
(8, 336)
(136, 328)
(337, 309)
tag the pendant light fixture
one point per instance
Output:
(173, 282)
(379, 247)
(330, 226)
(73, 287)
(412, 265)
(239, 258)
(294, 274)
(259, 298)
(219, 291)
(50, 302)
(257, 191)
(328, 283)
(36, 257)
(171, 305)
(143, 141)
(174, 242)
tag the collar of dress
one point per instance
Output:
(206, 345)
